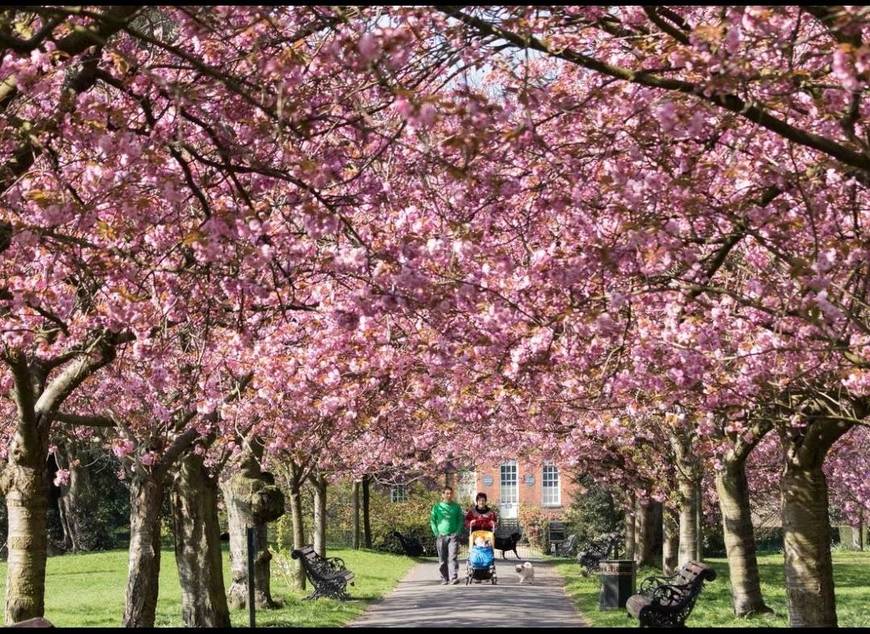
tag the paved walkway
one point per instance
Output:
(420, 601)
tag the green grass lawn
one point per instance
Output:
(713, 609)
(88, 590)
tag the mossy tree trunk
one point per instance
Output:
(252, 499)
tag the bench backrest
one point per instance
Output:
(317, 565)
(693, 575)
(308, 552)
(692, 570)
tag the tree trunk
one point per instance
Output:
(238, 526)
(251, 500)
(319, 486)
(146, 497)
(630, 537)
(699, 521)
(688, 484)
(26, 504)
(644, 532)
(354, 501)
(858, 539)
(670, 540)
(733, 491)
(367, 524)
(809, 573)
(77, 501)
(197, 545)
(688, 520)
(298, 525)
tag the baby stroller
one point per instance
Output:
(480, 564)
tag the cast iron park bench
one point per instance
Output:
(668, 601)
(411, 545)
(566, 547)
(591, 554)
(329, 576)
(556, 535)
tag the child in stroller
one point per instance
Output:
(480, 565)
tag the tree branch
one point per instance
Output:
(729, 102)
(86, 420)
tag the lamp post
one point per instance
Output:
(252, 544)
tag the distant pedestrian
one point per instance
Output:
(446, 522)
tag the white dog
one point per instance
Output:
(526, 572)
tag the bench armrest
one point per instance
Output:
(668, 594)
(649, 584)
(336, 563)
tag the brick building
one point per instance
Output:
(519, 481)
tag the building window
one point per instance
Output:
(398, 493)
(550, 486)
(508, 489)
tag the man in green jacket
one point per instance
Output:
(446, 523)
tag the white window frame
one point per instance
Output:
(509, 488)
(398, 493)
(551, 489)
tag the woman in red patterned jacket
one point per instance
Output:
(480, 516)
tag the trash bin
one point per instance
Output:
(617, 582)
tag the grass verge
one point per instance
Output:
(88, 590)
(713, 609)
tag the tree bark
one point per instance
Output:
(807, 546)
(76, 501)
(809, 573)
(688, 550)
(699, 521)
(318, 483)
(367, 524)
(733, 492)
(354, 500)
(688, 479)
(146, 498)
(295, 486)
(670, 540)
(197, 545)
(858, 539)
(644, 532)
(630, 536)
(252, 500)
(26, 504)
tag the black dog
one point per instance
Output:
(508, 543)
